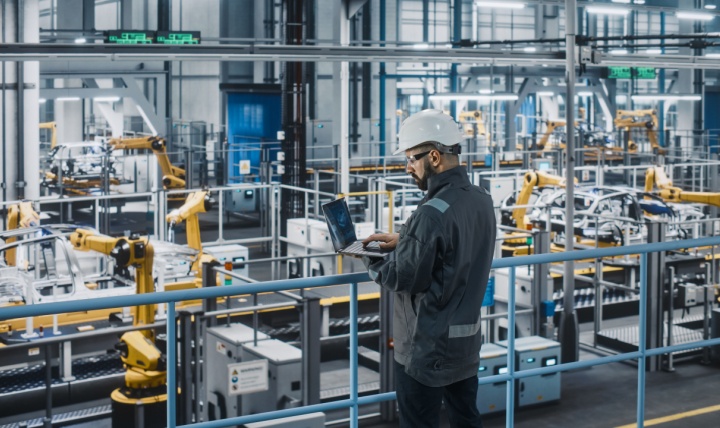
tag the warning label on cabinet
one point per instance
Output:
(250, 376)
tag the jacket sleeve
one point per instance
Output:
(408, 269)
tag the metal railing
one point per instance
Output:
(354, 401)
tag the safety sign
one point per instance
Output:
(250, 376)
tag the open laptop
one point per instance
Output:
(342, 231)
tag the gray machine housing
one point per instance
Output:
(284, 372)
(224, 346)
(492, 397)
(531, 353)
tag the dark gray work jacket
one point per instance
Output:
(439, 272)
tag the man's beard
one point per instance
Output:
(422, 183)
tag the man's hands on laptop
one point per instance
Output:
(386, 241)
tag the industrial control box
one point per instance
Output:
(531, 353)
(284, 376)
(223, 348)
(234, 253)
(493, 361)
(243, 199)
(308, 236)
(499, 187)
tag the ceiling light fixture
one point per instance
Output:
(599, 10)
(473, 97)
(500, 4)
(666, 97)
(695, 16)
(710, 7)
(67, 99)
(712, 55)
(106, 99)
(80, 40)
(421, 46)
(530, 49)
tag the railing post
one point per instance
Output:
(171, 365)
(542, 293)
(353, 355)
(510, 397)
(387, 374)
(642, 339)
(310, 338)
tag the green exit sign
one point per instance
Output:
(124, 37)
(178, 37)
(631, 72)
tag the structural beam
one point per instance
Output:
(143, 53)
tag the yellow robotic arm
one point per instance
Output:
(52, 126)
(173, 176)
(669, 193)
(675, 194)
(533, 179)
(468, 118)
(551, 126)
(133, 251)
(197, 202)
(655, 176)
(646, 119)
(19, 215)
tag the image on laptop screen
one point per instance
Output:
(341, 226)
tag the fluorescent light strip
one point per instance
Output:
(42, 100)
(106, 99)
(530, 49)
(67, 99)
(500, 4)
(421, 46)
(619, 52)
(697, 16)
(666, 97)
(476, 97)
(545, 94)
(599, 10)
(712, 55)
(710, 7)
(653, 51)
(585, 94)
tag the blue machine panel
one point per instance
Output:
(253, 122)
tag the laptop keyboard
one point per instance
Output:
(373, 249)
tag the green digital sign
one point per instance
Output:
(631, 73)
(133, 37)
(123, 37)
(178, 37)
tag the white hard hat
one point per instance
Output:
(429, 126)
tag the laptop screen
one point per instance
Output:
(339, 223)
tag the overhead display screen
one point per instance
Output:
(178, 37)
(126, 37)
(137, 37)
(631, 72)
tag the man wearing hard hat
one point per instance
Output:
(438, 272)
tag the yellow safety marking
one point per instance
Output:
(675, 417)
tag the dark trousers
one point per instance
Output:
(420, 404)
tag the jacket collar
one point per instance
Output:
(456, 177)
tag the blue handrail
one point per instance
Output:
(171, 297)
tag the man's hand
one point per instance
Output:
(386, 241)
